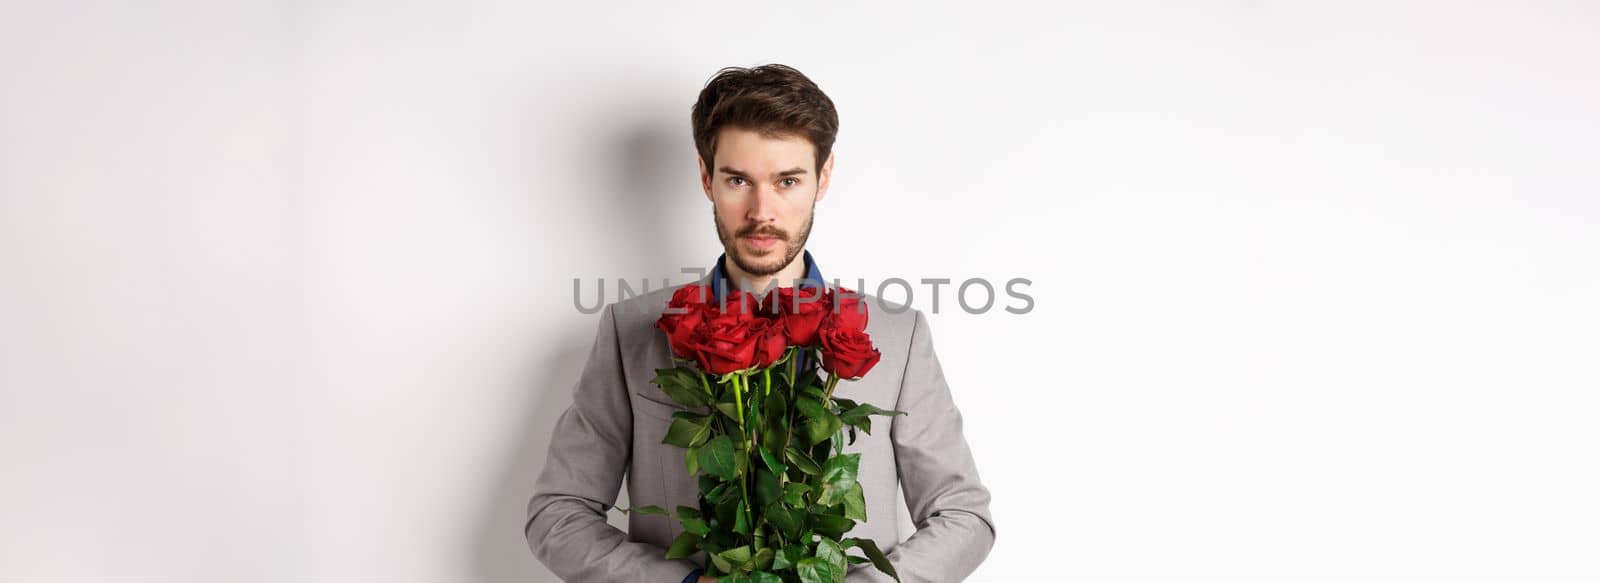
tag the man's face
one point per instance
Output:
(763, 192)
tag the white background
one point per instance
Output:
(286, 288)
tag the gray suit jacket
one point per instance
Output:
(618, 417)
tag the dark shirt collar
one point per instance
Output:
(721, 281)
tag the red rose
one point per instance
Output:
(682, 337)
(690, 295)
(724, 347)
(773, 341)
(737, 306)
(683, 314)
(802, 311)
(847, 353)
(767, 302)
(846, 310)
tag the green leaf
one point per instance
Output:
(808, 381)
(794, 494)
(818, 430)
(838, 475)
(776, 407)
(729, 408)
(767, 488)
(717, 459)
(855, 503)
(787, 521)
(692, 521)
(862, 423)
(722, 565)
(837, 510)
(822, 450)
(717, 541)
(721, 492)
(775, 435)
(651, 509)
(877, 557)
(819, 422)
(682, 384)
(691, 460)
(735, 557)
(812, 387)
(695, 525)
(772, 462)
(829, 551)
(727, 510)
(809, 408)
(752, 403)
(802, 461)
(753, 577)
(830, 526)
(860, 412)
(786, 557)
(815, 570)
(741, 519)
(761, 560)
(686, 544)
(688, 429)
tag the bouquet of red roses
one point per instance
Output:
(777, 493)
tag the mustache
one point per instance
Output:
(764, 232)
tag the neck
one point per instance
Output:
(786, 277)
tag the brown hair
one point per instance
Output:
(773, 99)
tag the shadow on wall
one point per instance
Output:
(655, 180)
(502, 554)
(647, 193)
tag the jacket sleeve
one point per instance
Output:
(947, 501)
(590, 449)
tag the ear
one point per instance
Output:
(826, 177)
(705, 176)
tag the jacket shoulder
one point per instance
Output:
(638, 314)
(888, 319)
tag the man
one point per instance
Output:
(765, 138)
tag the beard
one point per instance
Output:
(772, 261)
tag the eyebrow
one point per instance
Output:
(737, 172)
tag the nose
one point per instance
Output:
(763, 205)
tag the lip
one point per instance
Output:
(761, 242)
